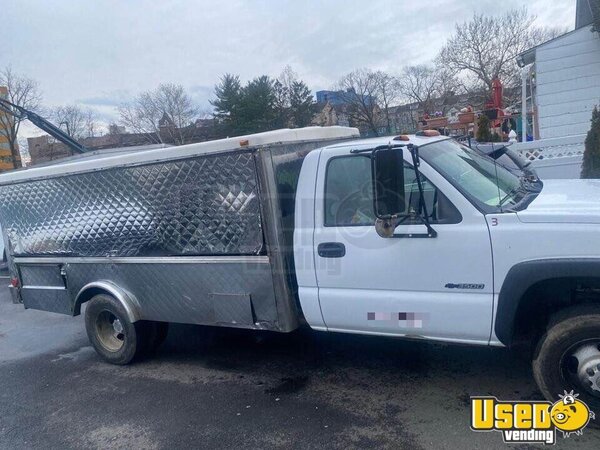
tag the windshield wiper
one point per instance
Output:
(372, 149)
(522, 187)
(511, 193)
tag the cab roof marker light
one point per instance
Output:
(427, 133)
(402, 137)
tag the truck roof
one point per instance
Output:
(102, 159)
(385, 140)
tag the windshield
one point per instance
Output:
(474, 174)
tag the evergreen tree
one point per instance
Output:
(257, 106)
(263, 104)
(595, 7)
(591, 157)
(301, 104)
(228, 95)
(483, 129)
(281, 104)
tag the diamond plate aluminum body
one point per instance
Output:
(145, 229)
(185, 292)
(41, 275)
(197, 206)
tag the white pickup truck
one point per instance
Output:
(410, 236)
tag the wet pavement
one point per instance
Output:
(226, 389)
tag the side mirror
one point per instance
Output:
(388, 183)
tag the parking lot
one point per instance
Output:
(233, 389)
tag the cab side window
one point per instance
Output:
(349, 194)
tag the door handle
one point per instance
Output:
(331, 250)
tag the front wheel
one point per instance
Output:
(568, 356)
(113, 336)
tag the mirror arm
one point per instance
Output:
(414, 152)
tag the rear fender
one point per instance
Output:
(126, 299)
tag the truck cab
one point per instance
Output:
(507, 256)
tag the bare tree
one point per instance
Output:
(91, 125)
(142, 116)
(293, 100)
(486, 47)
(360, 93)
(288, 77)
(388, 93)
(166, 114)
(282, 90)
(24, 92)
(419, 84)
(79, 123)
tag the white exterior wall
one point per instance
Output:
(568, 83)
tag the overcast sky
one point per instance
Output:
(99, 53)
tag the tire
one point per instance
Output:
(555, 367)
(117, 343)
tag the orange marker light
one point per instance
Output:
(402, 137)
(428, 133)
(244, 143)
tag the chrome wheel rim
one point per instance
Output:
(110, 331)
(581, 366)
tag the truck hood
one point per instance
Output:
(565, 201)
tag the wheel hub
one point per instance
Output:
(110, 331)
(588, 366)
(117, 326)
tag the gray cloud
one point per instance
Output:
(103, 52)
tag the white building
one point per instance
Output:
(561, 81)
(567, 79)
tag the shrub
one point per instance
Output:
(591, 157)
(595, 7)
(483, 129)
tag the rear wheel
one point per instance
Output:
(113, 336)
(568, 356)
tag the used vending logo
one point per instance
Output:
(530, 421)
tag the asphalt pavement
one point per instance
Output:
(234, 389)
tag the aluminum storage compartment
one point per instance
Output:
(204, 205)
(197, 234)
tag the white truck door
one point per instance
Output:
(439, 288)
